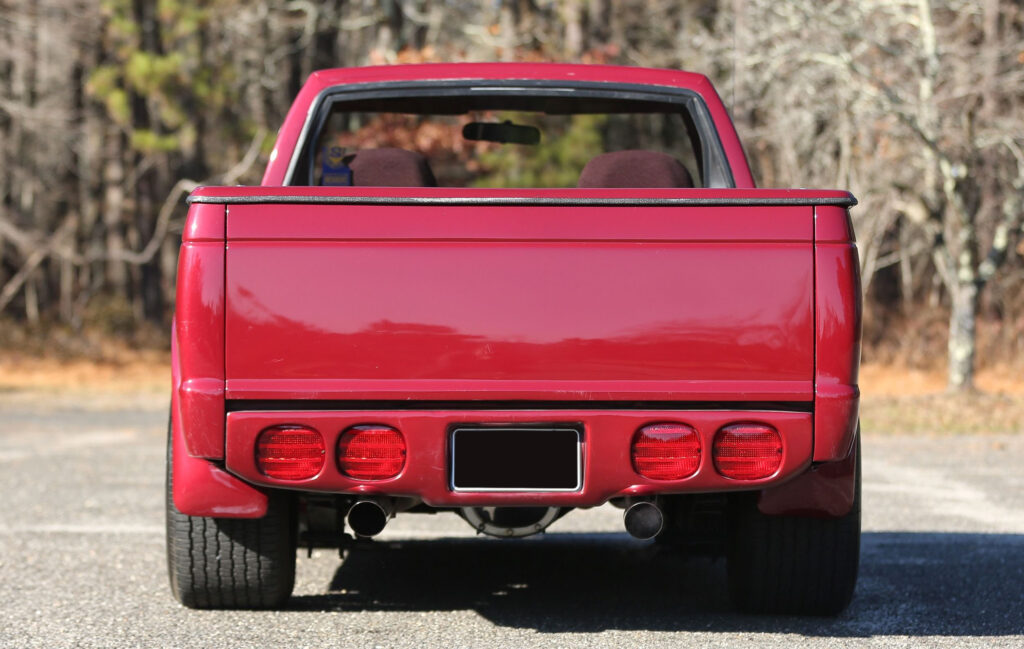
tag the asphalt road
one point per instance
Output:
(82, 560)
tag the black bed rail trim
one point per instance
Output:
(261, 405)
(841, 201)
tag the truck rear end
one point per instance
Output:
(366, 340)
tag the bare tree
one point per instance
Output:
(894, 104)
(107, 105)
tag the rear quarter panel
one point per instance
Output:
(838, 307)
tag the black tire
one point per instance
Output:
(244, 563)
(793, 565)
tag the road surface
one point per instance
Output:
(82, 559)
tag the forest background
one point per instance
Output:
(112, 110)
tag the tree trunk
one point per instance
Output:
(962, 341)
(113, 208)
(572, 16)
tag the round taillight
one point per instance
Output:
(666, 451)
(747, 451)
(290, 452)
(371, 452)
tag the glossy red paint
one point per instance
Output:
(541, 223)
(199, 332)
(826, 490)
(312, 293)
(520, 302)
(319, 81)
(838, 327)
(833, 225)
(607, 466)
(201, 488)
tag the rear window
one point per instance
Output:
(507, 141)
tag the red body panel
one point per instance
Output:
(363, 293)
(199, 330)
(826, 490)
(607, 470)
(197, 376)
(516, 302)
(201, 488)
(838, 322)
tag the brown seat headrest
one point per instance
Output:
(390, 168)
(634, 169)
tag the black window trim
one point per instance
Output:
(716, 172)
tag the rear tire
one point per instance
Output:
(231, 562)
(793, 564)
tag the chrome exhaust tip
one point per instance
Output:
(368, 518)
(644, 520)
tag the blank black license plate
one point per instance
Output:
(515, 459)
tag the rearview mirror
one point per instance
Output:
(504, 132)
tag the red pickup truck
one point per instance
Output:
(506, 291)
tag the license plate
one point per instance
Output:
(527, 458)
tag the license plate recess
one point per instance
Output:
(516, 458)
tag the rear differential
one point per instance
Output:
(511, 522)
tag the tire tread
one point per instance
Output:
(793, 564)
(231, 563)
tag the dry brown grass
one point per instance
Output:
(942, 414)
(120, 371)
(900, 400)
(895, 399)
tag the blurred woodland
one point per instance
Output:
(112, 110)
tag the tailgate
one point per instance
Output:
(455, 302)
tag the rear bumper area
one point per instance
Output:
(607, 470)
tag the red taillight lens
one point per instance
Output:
(371, 452)
(290, 452)
(747, 451)
(666, 451)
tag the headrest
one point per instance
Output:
(634, 169)
(390, 168)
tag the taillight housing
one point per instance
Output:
(747, 451)
(290, 452)
(666, 451)
(371, 452)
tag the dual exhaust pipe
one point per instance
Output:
(367, 518)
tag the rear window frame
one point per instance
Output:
(715, 170)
